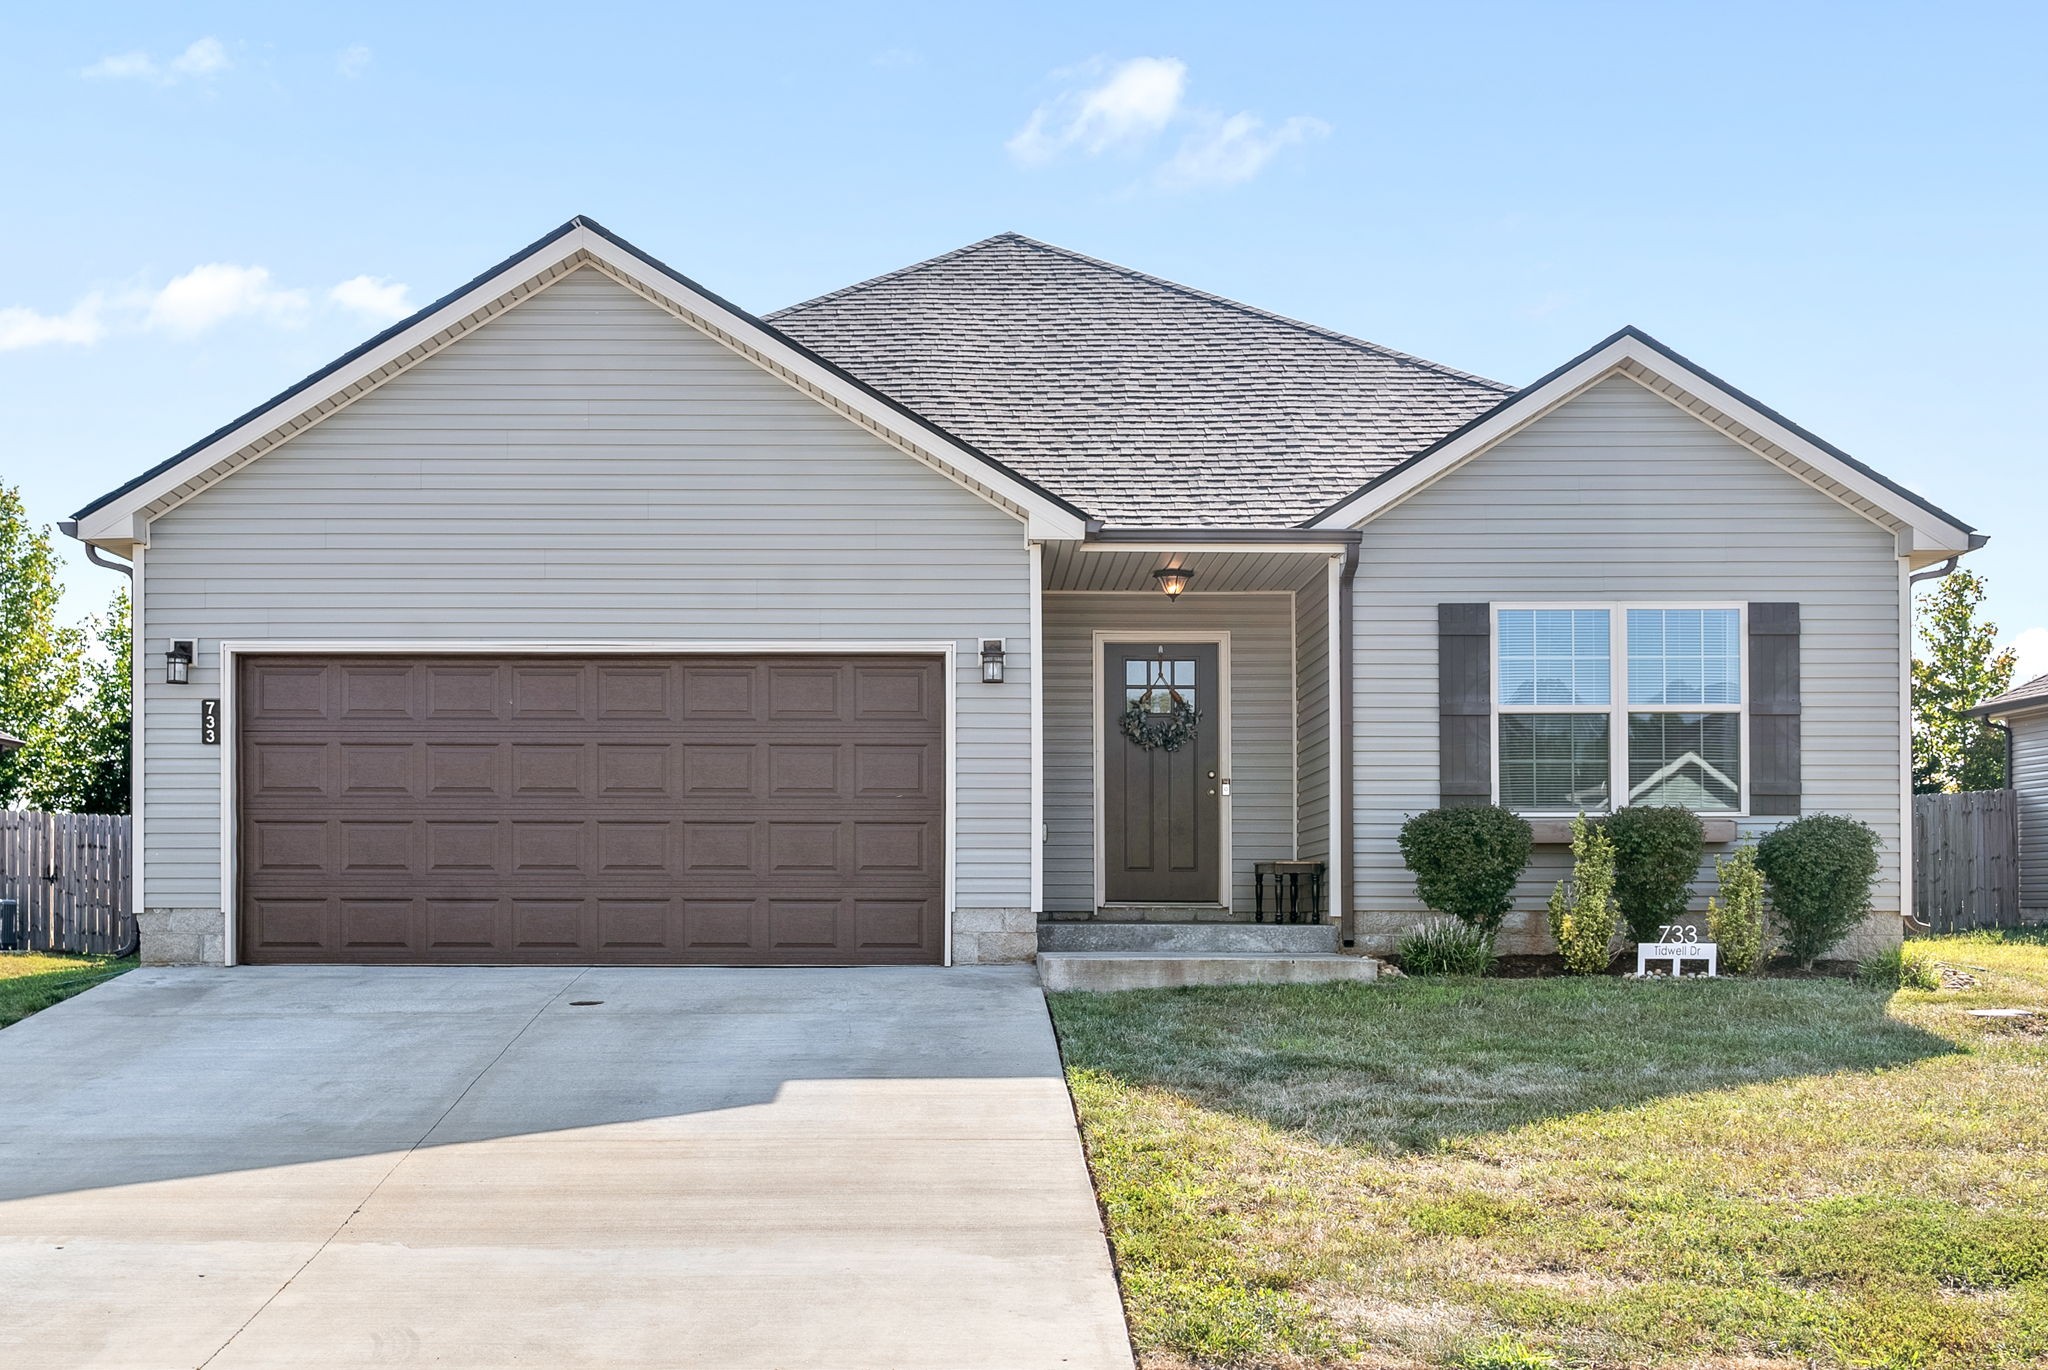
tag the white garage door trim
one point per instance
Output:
(232, 652)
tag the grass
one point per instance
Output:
(31, 981)
(1578, 1172)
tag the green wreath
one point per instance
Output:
(1166, 732)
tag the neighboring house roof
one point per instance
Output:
(8, 743)
(116, 519)
(2018, 700)
(1145, 402)
(1925, 531)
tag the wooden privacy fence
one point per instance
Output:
(68, 875)
(1966, 870)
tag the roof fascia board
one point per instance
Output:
(1930, 533)
(121, 520)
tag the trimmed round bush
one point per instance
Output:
(1657, 852)
(1466, 861)
(1819, 870)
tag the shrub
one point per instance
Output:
(1466, 862)
(1443, 947)
(1819, 870)
(1582, 921)
(1898, 968)
(1657, 852)
(1736, 919)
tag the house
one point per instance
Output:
(2023, 712)
(584, 616)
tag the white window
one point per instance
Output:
(1594, 701)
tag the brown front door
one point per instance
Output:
(1162, 807)
(767, 810)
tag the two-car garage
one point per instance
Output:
(784, 809)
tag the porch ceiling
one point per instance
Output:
(1093, 566)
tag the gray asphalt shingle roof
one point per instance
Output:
(1144, 402)
(2032, 695)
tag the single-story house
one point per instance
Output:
(584, 616)
(2023, 712)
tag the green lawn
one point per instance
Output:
(1494, 1173)
(31, 981)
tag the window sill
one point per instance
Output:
(1557, 832)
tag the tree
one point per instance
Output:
(39, 658)
(1951, 750)
(91, 774)
(63, 690)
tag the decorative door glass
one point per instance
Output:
(1155, 686)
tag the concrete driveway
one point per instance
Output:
(324, 1167)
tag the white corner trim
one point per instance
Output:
(1219, 636)
(1929, 533)
(1339, 764)
(230, 654)
(1037, 730)
(1907, 912)
(124, 521)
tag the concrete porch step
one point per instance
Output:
(1271, 938)
(1115, 970)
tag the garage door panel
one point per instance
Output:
(645, 810)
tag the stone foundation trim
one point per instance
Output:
(183, 937)
(994, 937)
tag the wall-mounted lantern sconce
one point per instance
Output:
(991, 661)
(178, 663)
(1173, 580)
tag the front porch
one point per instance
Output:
(1164, 850)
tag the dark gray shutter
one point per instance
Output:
(1464, 688)
(1774, 710)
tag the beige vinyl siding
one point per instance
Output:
(2030, 779)
(1261, 763)
(588, 467)
(1312, 731)
(1618, 495)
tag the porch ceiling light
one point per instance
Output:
(991, 661)
(178, 663)
(1173, 580)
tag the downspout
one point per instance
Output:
(1934, 572)
(69, 528)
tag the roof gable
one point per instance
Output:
(1925, 532)
(119, 519)
(1147, 402)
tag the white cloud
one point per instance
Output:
(2031, 647)
(1225, 152)
(211, 294)
(374, 296)
(206, 57)
(353, 60)
(199, 300)
(1127, 109)
(123, 66)
(203, 59)
(21, 327)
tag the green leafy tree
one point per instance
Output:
(40, 659)
(63, 690)
(1961, 669)
(91, 771)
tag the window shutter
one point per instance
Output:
(1774, 710)
(1464, 684)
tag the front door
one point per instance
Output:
(1162, 796)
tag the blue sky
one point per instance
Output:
(1839, 208)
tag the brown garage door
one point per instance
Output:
(781, 810)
